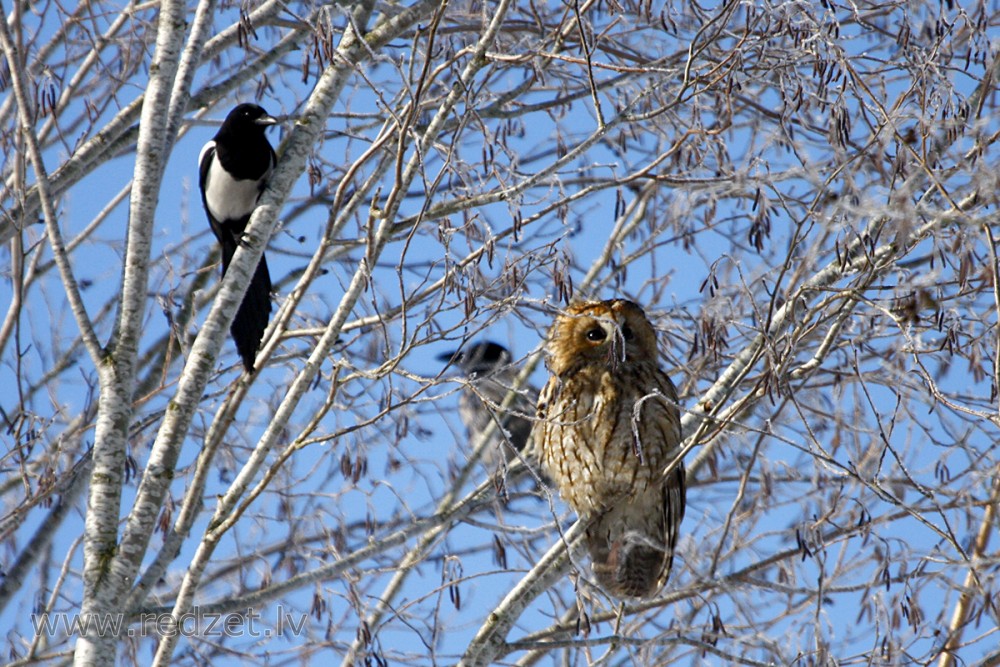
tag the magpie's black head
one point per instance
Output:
(478, 358)
(247, 118)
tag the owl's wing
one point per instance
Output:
(674, 486)
(546, 397)
(674, 498)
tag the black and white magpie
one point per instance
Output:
(491, 372)
(233, 170)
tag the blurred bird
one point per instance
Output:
(488, 367)
(608, 426)
(233, 170)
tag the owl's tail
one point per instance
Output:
(629, 567)
(632, 543)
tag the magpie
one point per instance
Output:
(491, 372)
(233, 170)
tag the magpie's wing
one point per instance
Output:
(222, 234)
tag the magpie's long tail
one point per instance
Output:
(251, 319)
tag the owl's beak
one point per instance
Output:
(616, 349)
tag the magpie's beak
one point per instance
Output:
(450, 357)
(266, 120)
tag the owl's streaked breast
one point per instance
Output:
(589, 418)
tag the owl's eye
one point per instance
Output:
(627, 333)
(596, 334)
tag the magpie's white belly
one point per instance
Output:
(228, 198)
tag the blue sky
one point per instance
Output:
(858, 443)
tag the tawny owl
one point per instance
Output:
(608, 425)
(491, 374)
